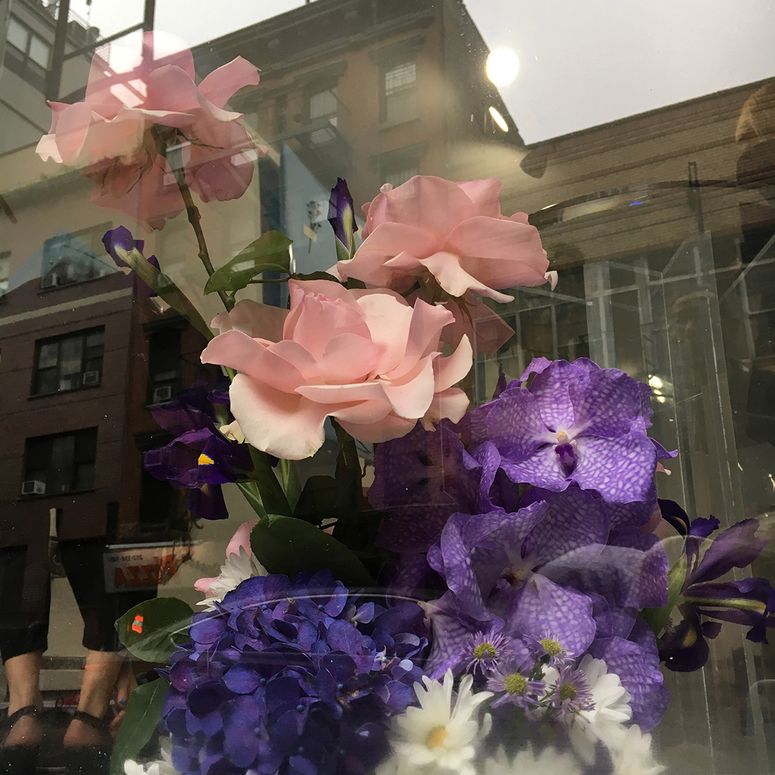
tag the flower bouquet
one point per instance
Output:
(471, 589)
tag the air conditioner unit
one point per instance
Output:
(33, 487)
(91, 377)
(161, 394)
(51, 280)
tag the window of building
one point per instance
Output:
(164, 365)
(28, 53)
(397, 174)
(61, 463)
(5, 271)
(323, 107)
(399, 102)
(75, 258)
(68, 362)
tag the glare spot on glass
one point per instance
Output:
(502, 66)
(498, 119)
(656, 382)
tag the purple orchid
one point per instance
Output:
(570, 423)
(705, 602)
(541, 571)
(341, 216)
(199, 459)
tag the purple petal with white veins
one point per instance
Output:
(620, 469)
(608, 404)
(512, 422)
(628, 578)
(574, 519)
(638, 669)
(547, 609)
(541, 469)
(451, 632)
(551, 389)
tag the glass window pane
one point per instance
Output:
(18, 35)
(40, 51)
(48, 355)
(322, 104)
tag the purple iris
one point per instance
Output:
(570, 423)
(341, 216)
(705, 601)
(121, 239)
(199, 459)
(296, 676)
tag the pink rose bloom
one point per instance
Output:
(452, 231)
(108, 134)
(367, 358)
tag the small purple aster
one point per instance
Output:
(549, 650)
(512, 684)
(570, 692)
(486, 649)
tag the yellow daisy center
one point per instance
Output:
(436, 737)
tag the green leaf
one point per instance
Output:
(289, 477)
(289, 545)
(143, 714)
(319, 498)
(148, 630)
(269, 253)
(658, 618)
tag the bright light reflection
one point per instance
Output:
(498, 119)
(502, 66)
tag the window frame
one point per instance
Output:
(21, 60)
(395, 64)
(84, 453)
(83, 335)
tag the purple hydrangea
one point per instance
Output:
(293, 676)
(569, 423)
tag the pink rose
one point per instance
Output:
(367, 358)
(108, 134)
(452, 231)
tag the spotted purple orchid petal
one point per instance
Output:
(637, 666)
(571, 423)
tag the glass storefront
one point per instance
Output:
(639, 141)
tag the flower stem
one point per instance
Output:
(175, 159)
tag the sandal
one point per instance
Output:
(91, 758)
(19, 758)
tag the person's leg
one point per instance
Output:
(104, 664)
(24, 605)
(23, 675)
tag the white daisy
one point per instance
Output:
(237, 568)
(161, 766)
(442, 734)
(548, 762)
(631, 753)
(610, 709)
